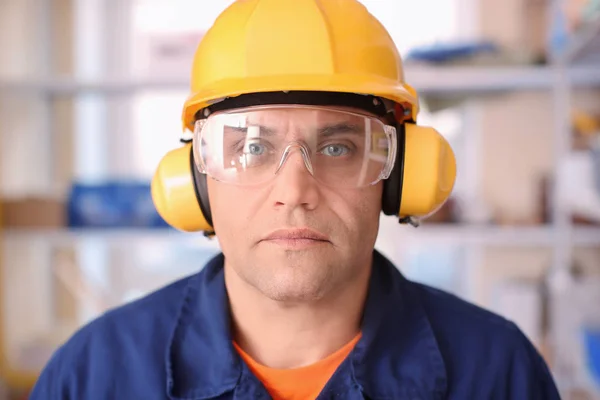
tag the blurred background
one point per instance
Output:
(90, 99)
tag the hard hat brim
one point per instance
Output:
(203, 97)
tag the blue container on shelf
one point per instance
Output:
(591, 339)
(114, 204)
(447, 52)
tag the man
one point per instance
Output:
(304, 132)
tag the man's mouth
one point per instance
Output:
(296, 238)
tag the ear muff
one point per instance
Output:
(424, 174)
(179, 192)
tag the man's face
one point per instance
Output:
(293, 238)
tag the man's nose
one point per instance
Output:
(295, 185)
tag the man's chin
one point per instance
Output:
(299, 278)
(294, 295)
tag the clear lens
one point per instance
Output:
(251, 146)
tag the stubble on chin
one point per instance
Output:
(295, 276)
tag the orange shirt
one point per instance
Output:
(303, 383)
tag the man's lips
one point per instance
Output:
(296, 234)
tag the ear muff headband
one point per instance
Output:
(200, 186)
(392, 187)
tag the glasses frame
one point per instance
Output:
(389, 130)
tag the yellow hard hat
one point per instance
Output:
(305, 45)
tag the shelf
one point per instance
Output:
(482, 80)
(509, 236)
(584, 46)
(445, 234)
(505, 236)
(586, 236)
(474, 235)
(425, 79)
(66, 237)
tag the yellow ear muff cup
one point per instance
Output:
(429, 172)
(174, 194)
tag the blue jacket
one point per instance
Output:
(417, 343)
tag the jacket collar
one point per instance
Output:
(202, 338)
(397, 356)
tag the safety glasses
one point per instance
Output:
(251, 146)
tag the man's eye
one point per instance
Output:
(254, 149)
(335, 150)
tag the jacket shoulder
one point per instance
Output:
(490, 349)
(445, 308)
(126, 342)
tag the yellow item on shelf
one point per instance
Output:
(585, 123)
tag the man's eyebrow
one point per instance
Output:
(264, 130)
(341, 127)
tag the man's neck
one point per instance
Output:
(290, 336)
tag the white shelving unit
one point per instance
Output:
(581, 51)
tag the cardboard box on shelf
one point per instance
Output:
(32, 212)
